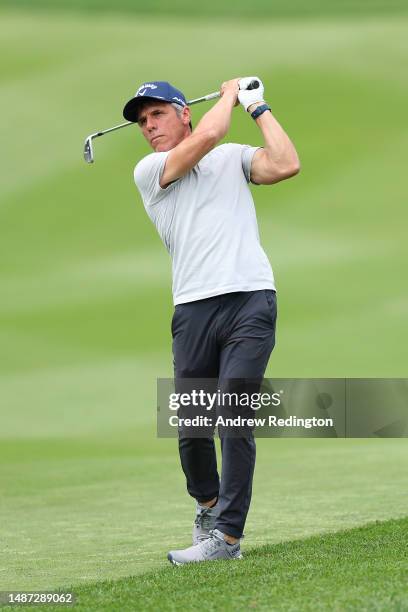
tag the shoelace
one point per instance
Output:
(203, 518)
(211, 542)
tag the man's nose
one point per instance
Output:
(150, 124)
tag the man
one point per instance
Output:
(197, 195)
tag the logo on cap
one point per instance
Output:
(145, 87)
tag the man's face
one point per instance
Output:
(161, 126)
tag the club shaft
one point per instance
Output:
(112, 129)
(211, 96)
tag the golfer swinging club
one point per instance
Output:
(197, 195)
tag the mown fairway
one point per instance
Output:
(87, 491)
(361, 569)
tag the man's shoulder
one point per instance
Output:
(151, 159)
(235, 156)
(148, 164)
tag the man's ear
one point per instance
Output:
(186, 115)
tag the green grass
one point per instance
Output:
(227, 8)
(360, 569)
(87, 491)
(81, 506)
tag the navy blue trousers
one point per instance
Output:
(227, 337)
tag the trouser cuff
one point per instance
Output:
(201, 500)
(229, 530)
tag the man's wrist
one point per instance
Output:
(230, 96)
(255, 106)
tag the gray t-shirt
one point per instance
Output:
(208, 224)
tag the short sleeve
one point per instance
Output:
(247, 155)
(147, 176)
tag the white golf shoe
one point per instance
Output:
(212, 548)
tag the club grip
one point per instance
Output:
(253, 84)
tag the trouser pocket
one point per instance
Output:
(270, 296)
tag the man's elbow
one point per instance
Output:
(209, 137)
(291, 170)
(282, 173)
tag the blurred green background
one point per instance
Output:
(85, 282)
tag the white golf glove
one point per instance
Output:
(250, 96)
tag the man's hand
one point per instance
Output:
(247, 97)
(231, 88)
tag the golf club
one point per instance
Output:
(88, 148)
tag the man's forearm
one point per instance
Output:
(278, 145)
(218, 118)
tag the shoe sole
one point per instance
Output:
(174, 562)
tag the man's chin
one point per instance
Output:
(161, 148)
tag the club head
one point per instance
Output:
(88, 150)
